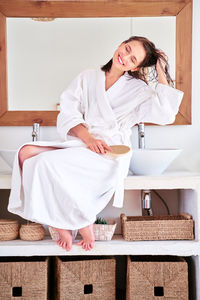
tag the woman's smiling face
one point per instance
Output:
(129, 56)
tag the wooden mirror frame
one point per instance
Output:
(182, 9)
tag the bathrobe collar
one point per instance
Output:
(102, 96)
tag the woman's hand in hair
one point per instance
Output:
(161, 63)
(160, 68)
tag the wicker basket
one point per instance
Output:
(156, 277)
(9, 229)
(104, 232)
(24, 278)
(174, 227)
(31, 232)
(85, 278)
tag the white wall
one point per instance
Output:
(185, 137)
(44, 57)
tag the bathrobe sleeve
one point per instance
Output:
(71, 107)
(159, 106)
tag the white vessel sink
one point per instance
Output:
(143, 161)
(8, 156)
(152, 161)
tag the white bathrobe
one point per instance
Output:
(68, 187)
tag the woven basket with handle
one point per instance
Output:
(171, 227)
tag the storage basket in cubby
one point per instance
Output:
(156, 277)
(85, 277)
(171, 227)
(23, 278)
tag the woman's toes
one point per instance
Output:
(59, 244)
(86, 246)
(64, 245)
(80, 243)
(83, 246)
(91, 245)
(68, 246)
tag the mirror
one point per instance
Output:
(48, 55)
(27, 48)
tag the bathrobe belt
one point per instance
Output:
(123, 167)
(123, 162)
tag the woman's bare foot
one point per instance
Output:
(65, 240)
(87, 234)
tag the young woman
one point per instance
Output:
(66, 184)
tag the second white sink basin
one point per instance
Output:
(143, 161)
(152, 161)
(8, 156)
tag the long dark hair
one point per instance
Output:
(147, 69)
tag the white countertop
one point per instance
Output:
(170, 180)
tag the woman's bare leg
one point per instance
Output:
(28, 151)
(87, 234)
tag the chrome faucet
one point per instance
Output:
(146, 202)
(141, 141)
(36, 132)
(145, 194)
(146, 199)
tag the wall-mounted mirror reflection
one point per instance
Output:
(44, 57)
